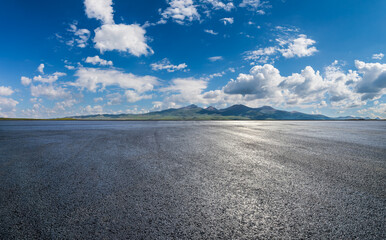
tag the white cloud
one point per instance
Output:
(210, 31)
(133, 96)
(7, 106)
(25, 81)
(181, 11)
(136, 110)
(49, 91)
(287, 29)
(214, 75)
(41, 68)
(130, 96)
(94, 79)
(186, 85)
(63, 105)
(298, 47)
(373, 82)
(166, 65)
(48, 78)
(261, 55)
(344, 90)
(341, 87)
(111, 36)
(91, 110)
(215, 58)
(121, 37)
(265, 83)
(288, 47)
(254, 5)
(376, 111)
(81, 36)
(100, 9)
(378, 56)
(216, 4)
(187, 90)
(99, 99)
(6, 91)
(308, 86)
(261, 82)
(114, 98)
(97, 60)
(69, 67)
(229, 20)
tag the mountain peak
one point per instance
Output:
(211, 108)
(238, 106)
(191, 106)
(236, 110)
(267, 108)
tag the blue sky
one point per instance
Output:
(64, 58)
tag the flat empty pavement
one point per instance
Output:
(192, 180)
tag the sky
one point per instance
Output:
(66, 58)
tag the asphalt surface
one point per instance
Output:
(193, 180)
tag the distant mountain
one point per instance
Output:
(193, 112)
(356, 118)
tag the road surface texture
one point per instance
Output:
(192, 180)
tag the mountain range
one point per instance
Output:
(193, 112)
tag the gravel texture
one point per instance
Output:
(192, 180)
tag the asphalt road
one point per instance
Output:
(193, 180)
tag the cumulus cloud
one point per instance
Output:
(341, 86)
(63, 105)
(133, 96)
(100, 9)
(215, 58)
(297, 47)
(181, 11)
(121, 37)
(49, 91)
(379, 110)
(114, 98)
(229, 20)
(211, 32)
(41, 68)
(91, 110)
(94, 79)
(166, 65)
(81, 36)
(98, 61)
(48, 78)
(261, 82)
(216, 4)
(373, 82)
(186, 90)
(111, 36)
(69, 67)
(308, 86)
(25, 81)
(6, 91)
(7, 106)
(378, 56)
(288, 47)
(266, 83)
(343, 89)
